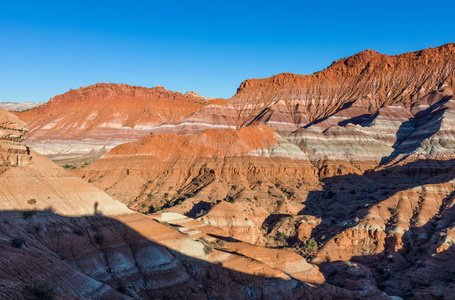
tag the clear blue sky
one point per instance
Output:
(48, 47)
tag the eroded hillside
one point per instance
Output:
(350, 169)
(91, 120)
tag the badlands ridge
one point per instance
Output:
(336, 185)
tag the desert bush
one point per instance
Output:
(281, 237)
(99, 238)
(311, 245)
(207, 249)
(17, 242)
(31, 201)
(121, 289)
(228, 198)
(220, 243)
(78, 232)
(39, 290)
(28, 214)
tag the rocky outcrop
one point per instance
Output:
(12, 133)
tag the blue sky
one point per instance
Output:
(48, 47)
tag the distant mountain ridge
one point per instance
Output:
(20, 106)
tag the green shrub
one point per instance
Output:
(207, 249)
(282, 237)
(228, 198)
(220, 243)
(311, 244)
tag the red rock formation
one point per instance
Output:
(103, 115)
(365, 189)
(62, 237)
(382, 79)
(213, 165)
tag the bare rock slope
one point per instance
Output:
(61, 236)
(358, 179)
(98, 117)
(350, 168)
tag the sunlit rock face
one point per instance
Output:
(99, 117)
(12, 133)
(348, 172)
(357, 85)
(63, 237)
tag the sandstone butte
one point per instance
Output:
(338, 185)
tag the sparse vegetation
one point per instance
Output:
(17, 242)
(228, 198)
(220, 243)
(78, 232)
(281, 237)
(31, 201)
(310, 245)
(26, 214)
(330, 194)
(207, 249)
(39, 290)
(67, 166)
(99, 238)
